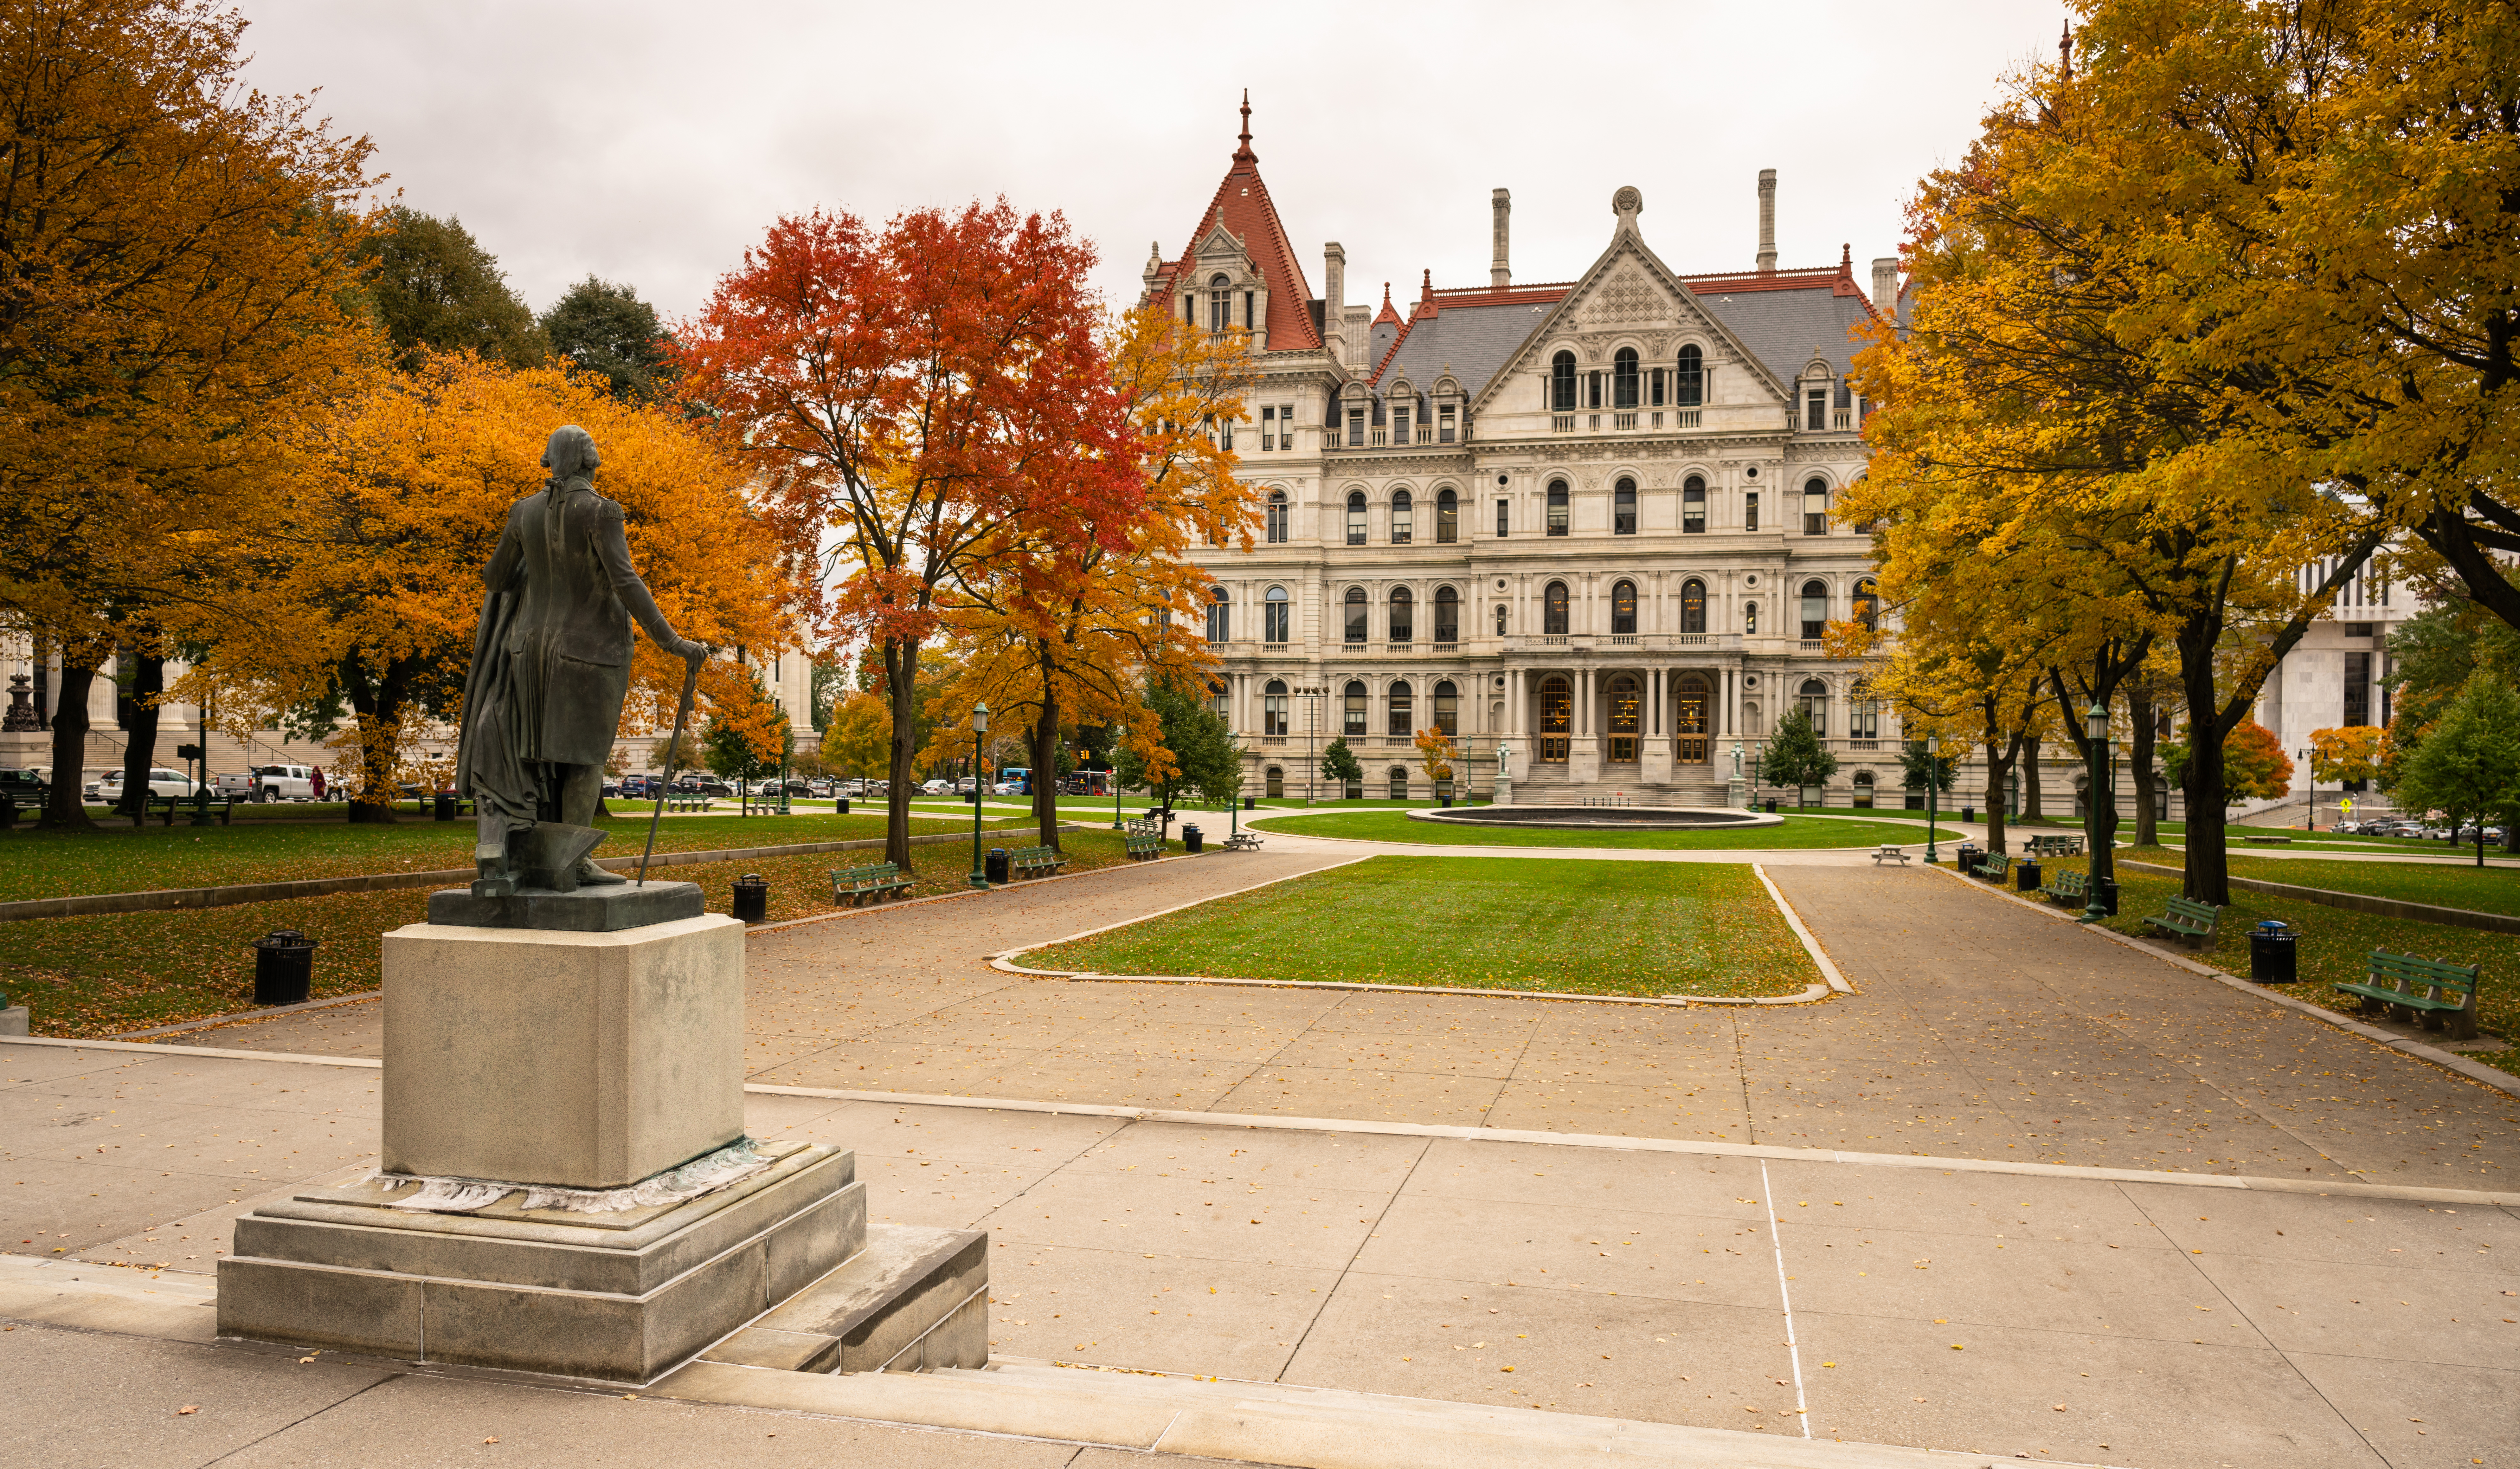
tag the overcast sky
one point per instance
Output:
(650, 143)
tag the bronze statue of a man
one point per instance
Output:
(550, 663)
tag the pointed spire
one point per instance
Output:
(1846, 260)
(1244, 153)
(2065, 49)
(1387, 314)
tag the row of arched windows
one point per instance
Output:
(1623, 512)
(1400, 620)
(1630, 384)
(1399, 707)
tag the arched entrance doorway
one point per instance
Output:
(1277, 782)
(1557, 719)
(1691, 724)
(1627, 707)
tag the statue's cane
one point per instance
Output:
(682, 711)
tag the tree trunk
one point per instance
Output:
(376, 705)
(2208, 864)
(2030, 779)
(1045, 767)
(1999, 764)
(2147, 825)
(64, 808)
(140, 736)
(900, 671)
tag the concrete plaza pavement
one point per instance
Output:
(1653, 1216)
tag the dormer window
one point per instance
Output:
(1816, 409)
(1220, 305)
(1443, 424)
(1399, 426)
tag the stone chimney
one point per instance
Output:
(1501, 210)
(1767, 221)
(1335, 301)
(1885, 284)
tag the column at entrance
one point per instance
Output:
(1656, 767)
(1583, 758)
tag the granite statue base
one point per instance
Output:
(606, 909)
(585, 1058)
(621, 1298)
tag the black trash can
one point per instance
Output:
(283, 968)
(1772, 805)
(1190, 838)
(995, 868)
(1249, 803)
(752, 898)
(1967, 857)
(2027, 881)
(841, 807)
(445, 805)
(2272, 949)
(2107, 891)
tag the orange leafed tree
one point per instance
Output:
(370, 569)
(911, 392)
(1055, 629)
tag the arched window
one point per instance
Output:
(1692, 506)
(1623, 610)
(1356, 518)
(1627, 706)
(1272, 708)
(1220, 615)
(1447, 518)
(1277, 782)
(1813, 701)
(1220, 305)
(1402, 517)
(1863, 714)
(1448, 708)
(1815, 507)
(1867, 605)
(1356, 615)
(1863, 790)
(1404, 616)
(1690, 698)
(1276, 615)
(1448, 615)
(1623, 508)
(1814, 608)
(1557, 507)
(1399, 709)
(1623, 378)
(1397, 781)
(1750, 622)
(1352, 702)
(1501, 618)
(1556, 717)
(1688, 383)
(1692, 606)
(1561, 382)
(1553, 610)
(1277, 515)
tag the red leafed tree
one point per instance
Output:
(906, 395)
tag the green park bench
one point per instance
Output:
(1995, 867)
(2427, 990)
(1143, 844)
(1026, 860)
(2069, 888)
(2187, 919)
(856, 885)
(2055, 846)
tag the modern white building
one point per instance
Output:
(1585, 519)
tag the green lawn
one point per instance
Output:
(2332, 943)
(106, 973)
(1483, 922)
(1392, 826)
(2484, 890)
(121, 859)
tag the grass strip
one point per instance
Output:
(2331, 945)
(105, 974)
(1796, 832)
(1484, 923)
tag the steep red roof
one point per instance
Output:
(1244, 207)
(1387, 314)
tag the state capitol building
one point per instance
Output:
(1585, 519)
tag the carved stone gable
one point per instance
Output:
(1626, 297)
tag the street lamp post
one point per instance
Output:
(2099, 830)
(2311, 824)
(1933, 793)
(980, 732)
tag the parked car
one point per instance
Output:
(936, 787)
(26, 787)
(271, 783)
(109, 791)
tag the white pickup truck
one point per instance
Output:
(270, 783)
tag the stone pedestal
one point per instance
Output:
(1656, 767)
(13, 1020)
(1737, 794)
(580, 1067)
(590, 1060)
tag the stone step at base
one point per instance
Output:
(913, 1300)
